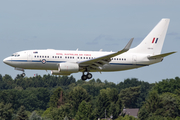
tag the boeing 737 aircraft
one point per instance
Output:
(65, 62)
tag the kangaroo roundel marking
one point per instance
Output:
(43, 61)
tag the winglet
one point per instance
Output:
(127, 47)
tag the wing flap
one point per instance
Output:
(160, 55)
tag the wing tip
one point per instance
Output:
(127, 47)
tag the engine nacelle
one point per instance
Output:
(66, 69)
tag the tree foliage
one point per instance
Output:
(167, 85)
(76, 96)
(57, 98)
(108, 101)
(129, 96)
(21, 114)
(84, 111)
(163, 100)
(62, 97)
(5, 111)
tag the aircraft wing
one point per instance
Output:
(160, 55)
(97, 63)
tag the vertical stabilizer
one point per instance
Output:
(153, 42)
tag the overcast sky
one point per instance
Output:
(89, 25)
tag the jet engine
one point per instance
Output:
(66, 69)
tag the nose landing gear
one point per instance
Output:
(21, 69)
(23, 74)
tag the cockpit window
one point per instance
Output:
(15, 55)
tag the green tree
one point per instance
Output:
(21, 114)
(57, 98)
(167, 85)
(129, 96)
(7, 82)
(102, 104)
(170, 105)
(6, 111)
(76, 96)
(150, 106)
(59, 113)
(84, 111)
(108, 100)
(165, 105)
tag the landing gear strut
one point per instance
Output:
(21, 69)
(87, 76)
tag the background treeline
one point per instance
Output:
(62, 97)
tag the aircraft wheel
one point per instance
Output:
(84, 77)
(23, 74)
(89, 75)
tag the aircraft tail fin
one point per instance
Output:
(153, 42)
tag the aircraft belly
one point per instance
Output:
(36, 65)
(118, 67)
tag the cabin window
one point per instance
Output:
(35, 56)
(52, 56)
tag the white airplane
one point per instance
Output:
(65, 62)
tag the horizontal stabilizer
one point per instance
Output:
(160, 55)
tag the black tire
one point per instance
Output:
(89, 76)
(84, 77)
(23, 74)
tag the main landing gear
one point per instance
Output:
(87, 76)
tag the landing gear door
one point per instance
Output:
(29, 56)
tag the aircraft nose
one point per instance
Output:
(6, 61)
